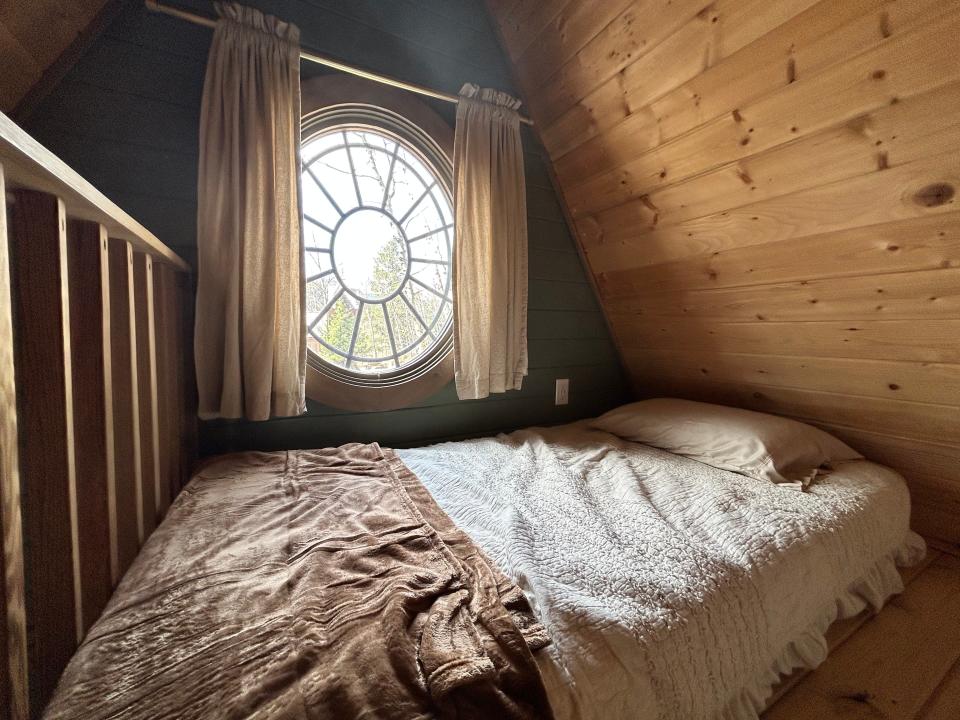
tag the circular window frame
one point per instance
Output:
(343, 101)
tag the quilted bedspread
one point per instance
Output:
(670, 589)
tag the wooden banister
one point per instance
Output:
(29, 165)
(38, 254)
(88, 272)
(96, 407)
(13, 634)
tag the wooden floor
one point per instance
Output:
(901, 663)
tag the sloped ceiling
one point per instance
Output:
(765, 194)
(33, 34)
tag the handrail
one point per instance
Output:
(29, 165)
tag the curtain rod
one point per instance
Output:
(157, 6)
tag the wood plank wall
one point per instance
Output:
(765, 193)
(89, 457)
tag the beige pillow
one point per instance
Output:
(766, 447)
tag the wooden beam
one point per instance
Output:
(13, 631)
(126, 406)
(93, 412)
(147, 385)
(38, 255)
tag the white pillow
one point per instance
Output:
(766, 447)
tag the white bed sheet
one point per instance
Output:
(670, 589)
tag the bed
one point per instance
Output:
(653, 585)
(670, 588)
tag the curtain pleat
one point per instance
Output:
(490, 256)
(250, 333)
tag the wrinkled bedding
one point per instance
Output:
(308, 584)
(670, 589)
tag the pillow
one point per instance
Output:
(766, 447)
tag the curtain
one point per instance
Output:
(490, 257)
(250, 336)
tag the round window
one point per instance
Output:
(378, 244)
(378, 239)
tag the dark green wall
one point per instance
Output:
(126, 118)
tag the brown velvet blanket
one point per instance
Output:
(309, 584)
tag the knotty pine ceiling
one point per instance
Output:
(33, 34)
(765, 195)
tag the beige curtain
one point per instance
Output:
(490, 258)
(250, 335)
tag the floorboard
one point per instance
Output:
(902, 663)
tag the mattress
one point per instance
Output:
(670, 589)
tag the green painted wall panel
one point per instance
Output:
(550, 234)
(126, 117)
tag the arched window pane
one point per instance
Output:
(377, 229)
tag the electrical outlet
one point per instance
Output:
(563, 391)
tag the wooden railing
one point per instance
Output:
(96, 407)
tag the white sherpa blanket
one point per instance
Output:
(670, 589)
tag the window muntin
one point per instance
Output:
(378, 232)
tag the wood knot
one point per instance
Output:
(934, 195)
(879, 74)
(893, 386)
(885, 30)
(648, 203)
